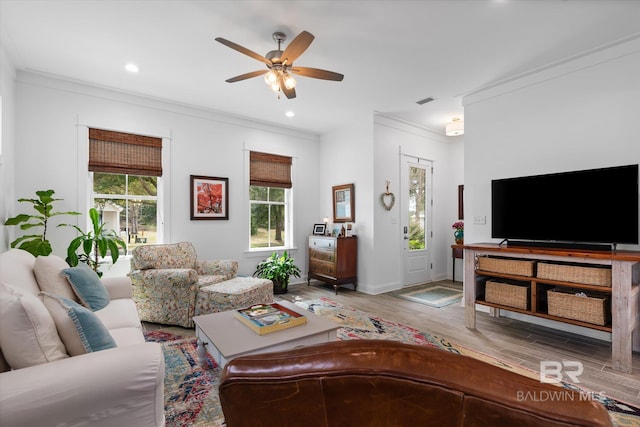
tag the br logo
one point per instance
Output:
(554, 372)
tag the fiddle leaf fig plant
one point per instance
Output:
(37, 244)
(95, 244)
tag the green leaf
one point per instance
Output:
(37, 247)
(17, 219)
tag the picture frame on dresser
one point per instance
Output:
(319, 229)
(344, 203)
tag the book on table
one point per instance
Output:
(267, 318)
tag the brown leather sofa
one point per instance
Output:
(386, 383)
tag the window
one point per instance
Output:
(128, 204)
(125, 170)
(270, 192)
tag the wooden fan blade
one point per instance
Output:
(297, 47)
(244, 50)
(317, 73)
(289, 93)
(246, 76)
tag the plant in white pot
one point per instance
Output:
(278, 269)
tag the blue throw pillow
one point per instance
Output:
(87, 286)
(79, 328)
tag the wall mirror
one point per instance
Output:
(344, 203)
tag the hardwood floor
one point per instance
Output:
(511, 340)
(508, 339)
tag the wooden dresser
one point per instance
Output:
(333, 260)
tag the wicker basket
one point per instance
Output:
(506, 266)
(593, 308)
(508, 294)
(599, 276)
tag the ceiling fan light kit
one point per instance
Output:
(280, 64)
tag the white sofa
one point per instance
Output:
(121, 386)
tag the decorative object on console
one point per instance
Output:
(458, 234)
(209, 197)
(326, 225)
(387, 198)
(344, 203)
(278, 269)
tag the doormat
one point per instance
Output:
(437, 294)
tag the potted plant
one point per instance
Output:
(278, 269)
(37, 244)
(95, 243)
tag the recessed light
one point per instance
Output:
(133, 68)
(290, 114)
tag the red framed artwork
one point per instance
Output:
(209, 197)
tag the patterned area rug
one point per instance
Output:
(439, 294)
(190, 390)
(191, 397)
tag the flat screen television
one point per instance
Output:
(590, 209)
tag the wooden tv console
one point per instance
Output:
(624, 325)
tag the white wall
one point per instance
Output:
(346, 157)
(51, 120)
(7, 146)
(391, 138)
(577, 115)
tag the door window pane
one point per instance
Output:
(417, 211)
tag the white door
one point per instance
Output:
(416, 202)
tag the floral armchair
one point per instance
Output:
(166, 280)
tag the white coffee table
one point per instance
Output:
(226, 337)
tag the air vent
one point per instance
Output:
(424, 101)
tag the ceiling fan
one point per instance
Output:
(280, 64)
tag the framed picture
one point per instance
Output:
(319, 229)
(344, 203)
(209, 197)
(460, 201)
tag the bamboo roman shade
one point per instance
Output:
(269, 170)
(124, 153)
